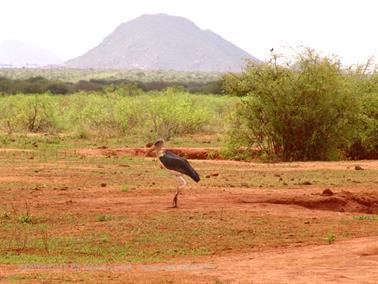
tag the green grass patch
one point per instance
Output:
(125, 188)
(103, 218)
(366, 218)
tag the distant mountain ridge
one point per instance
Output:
(18, 54)
(163, 42)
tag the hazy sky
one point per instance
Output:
(348, 28)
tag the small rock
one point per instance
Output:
(306, 183)
(327, 192)
(358, 168)
(207, 176)
(215, 174)
(103, 184)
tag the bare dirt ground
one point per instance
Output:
(273, 230)
(352, 261)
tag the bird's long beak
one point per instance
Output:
(150, 150)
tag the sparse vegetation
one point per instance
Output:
(103, 218)
(25, 219)
(158, 114)
(330, 238)
(125, 188)
(366, 218)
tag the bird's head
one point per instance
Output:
(157, 146)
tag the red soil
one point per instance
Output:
(343, 201)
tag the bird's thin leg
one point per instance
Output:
(182, 184)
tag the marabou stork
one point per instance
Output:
(177, 165)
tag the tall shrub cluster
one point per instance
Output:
(365, 140)
(309, 109)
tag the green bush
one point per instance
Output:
(304, 110)
(365, 140)
(32, 113)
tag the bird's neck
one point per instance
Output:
(159, 152)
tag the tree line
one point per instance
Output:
(38, 84)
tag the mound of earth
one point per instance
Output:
(345, 201)
(189, 153)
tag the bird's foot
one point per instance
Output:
(174, 204)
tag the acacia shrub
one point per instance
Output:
(365, 139)
(303, 110)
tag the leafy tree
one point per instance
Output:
(304, 110)
(365, 140)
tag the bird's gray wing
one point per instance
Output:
(179, 164)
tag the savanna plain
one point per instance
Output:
(81, 203)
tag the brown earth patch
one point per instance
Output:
(344, 201)
(341, 262)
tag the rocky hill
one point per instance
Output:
(163, 42)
